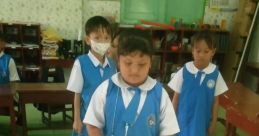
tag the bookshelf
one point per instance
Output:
(23, 44)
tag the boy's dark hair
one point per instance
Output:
(96, 22)
(205, 35)
(135, 40)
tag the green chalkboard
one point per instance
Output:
(161, 10)
(188, 10)
(134, 10)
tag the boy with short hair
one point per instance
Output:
(90, 69)
(131, 103)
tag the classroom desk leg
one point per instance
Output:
(12, 119)
(230, 129)
(24, 120)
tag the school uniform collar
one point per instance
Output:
(96, 62)
(146, 86)
(1, 54)
(193, 69)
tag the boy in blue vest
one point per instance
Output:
(8, 71)
(197, 87)
(90, 69)
(131, 103)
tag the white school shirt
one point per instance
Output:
(95, 111)
(177, 80)
(13, 74)
(76, 81)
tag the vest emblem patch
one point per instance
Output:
(151, 120)
(211, 83)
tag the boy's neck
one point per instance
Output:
(99, 57)
(200, 67)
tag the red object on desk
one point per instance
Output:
(242, 109)
(165, 26)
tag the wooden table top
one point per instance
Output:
(245, 101)
(39, 87)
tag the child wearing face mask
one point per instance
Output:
(89, 70)
(131, 103)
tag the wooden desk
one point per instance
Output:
(242, 109)
(7, 101)
(47, 93)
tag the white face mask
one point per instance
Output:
(100, 48)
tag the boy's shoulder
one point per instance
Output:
(5, 55)
(82, 56)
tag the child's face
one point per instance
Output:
(134, 67)
(202, 54)
(114, 47)
(99, 41)
(100, 36)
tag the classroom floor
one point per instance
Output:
(34, 120)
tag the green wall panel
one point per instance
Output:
(188, 10)
(134, 10)
(161, 10)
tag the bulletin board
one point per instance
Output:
(189, 11)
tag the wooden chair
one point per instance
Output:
(48, 110)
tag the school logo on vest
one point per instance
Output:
(151, 121)
(211, 83)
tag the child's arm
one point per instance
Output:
(93, 130)
(214, 115)
(77, 124)
(175, 100)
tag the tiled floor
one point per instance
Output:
(34, 120)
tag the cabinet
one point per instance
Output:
(23, 44)
(173, 49)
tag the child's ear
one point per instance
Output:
(214, 51)
(87, 40)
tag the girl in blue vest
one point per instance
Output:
(131, 103)
(197, 86)
(90, 69)
(8, 71)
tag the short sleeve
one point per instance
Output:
(13, 71)
(75, 82)
(221, 86)
(176, 82)
(95, 112)
(168, 120)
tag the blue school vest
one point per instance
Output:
(4, 69)
(195, 104)
(146, 124)
(92, 78)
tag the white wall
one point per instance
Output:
(68, 16)
(63, 15)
